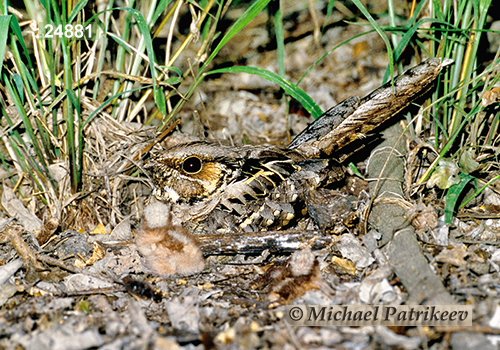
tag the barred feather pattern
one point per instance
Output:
(214, 188)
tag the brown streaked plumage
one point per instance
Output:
(216, 188)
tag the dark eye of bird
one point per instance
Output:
(192, 165)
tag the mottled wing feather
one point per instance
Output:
(376, 108)
(261, 187)
(326, 122)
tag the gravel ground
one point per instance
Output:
(88, 287)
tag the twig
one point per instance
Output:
(61, 264)
(257, 242)
(473, 329)
(22, 247)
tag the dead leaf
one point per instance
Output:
(16, 209)
(453, 255)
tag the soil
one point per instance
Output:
(87, 287)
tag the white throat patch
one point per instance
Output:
(171, 193)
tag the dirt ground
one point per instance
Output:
(88, 287)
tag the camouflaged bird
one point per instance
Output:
(214, 188)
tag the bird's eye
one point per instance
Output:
(192, 165)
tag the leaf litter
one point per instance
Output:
(84, 284)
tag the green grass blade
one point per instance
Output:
(453, 195)
(4, 34)
(290, 89)
(75, 101)
(478, 192)
(26, 83)
(280, 40)
(329, 10)
(18, 84)
(379, 30)
(79, 6)
(330, 51)
(14, 26)
(68, 112)
(108, 101)
(407, 37)
(162, 5)
(248, 15)
(27, 124)
(144, 30)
